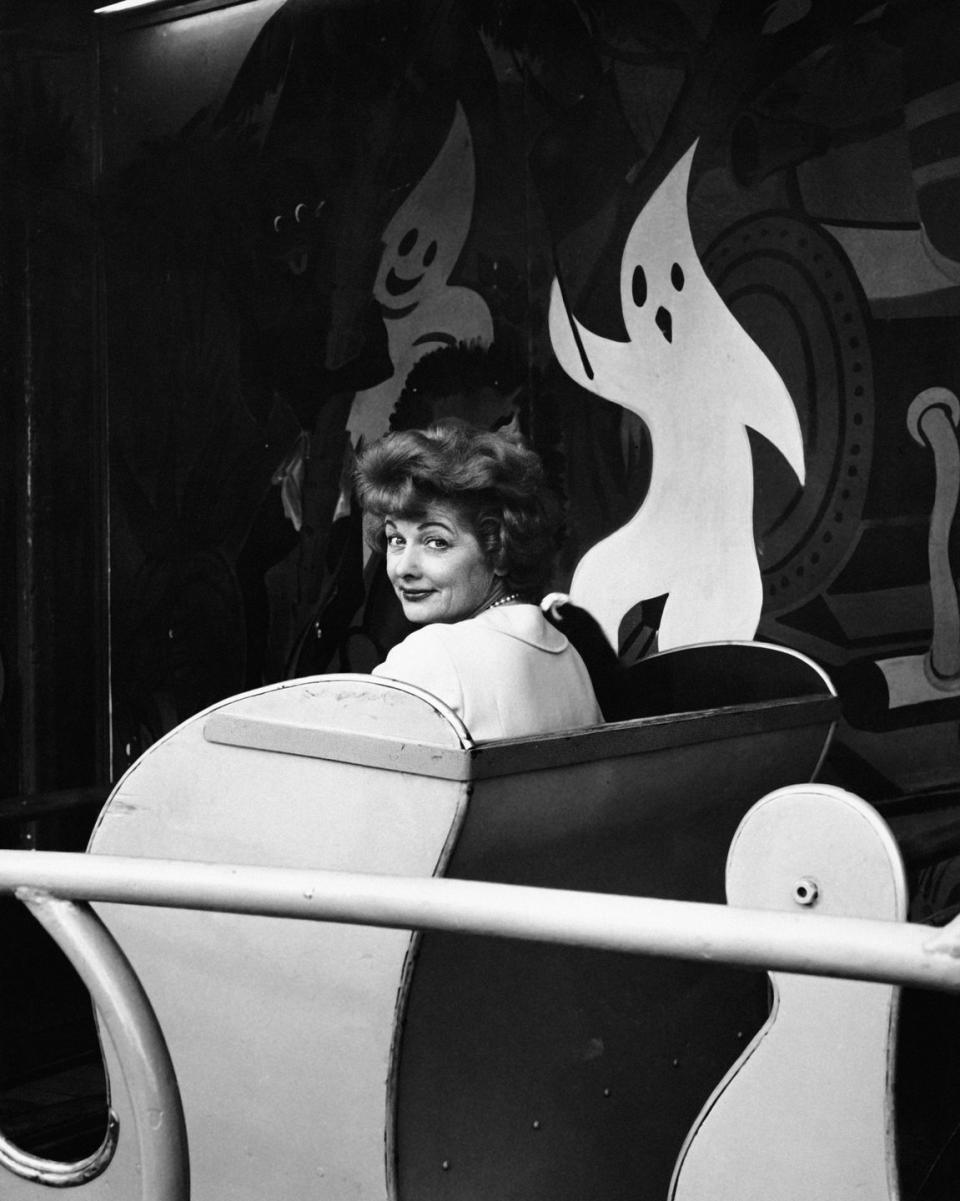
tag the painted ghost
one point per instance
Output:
(697, 380)
(422, 244)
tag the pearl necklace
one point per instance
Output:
(505, 600)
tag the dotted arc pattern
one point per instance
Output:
(795, 292)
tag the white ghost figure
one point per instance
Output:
(421, 246)
(697, 380)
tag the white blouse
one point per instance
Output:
(506, 673)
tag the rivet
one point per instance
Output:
(445, 1166)
(536, 1123)
(806, 891)
(676, 1063)
(606, 1092)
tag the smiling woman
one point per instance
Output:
(462, 516)
(438, 567)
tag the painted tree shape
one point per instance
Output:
(697, 380)
(421, 247)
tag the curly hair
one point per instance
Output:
(491, 478)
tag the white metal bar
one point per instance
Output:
(804, 942)
(141, 1050)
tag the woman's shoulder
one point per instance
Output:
(521, 623)
(525, 623)
(425, 643)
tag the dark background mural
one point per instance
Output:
(341, 218)
(243, 239)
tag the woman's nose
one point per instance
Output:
(407, 564)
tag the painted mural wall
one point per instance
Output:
(704, 252)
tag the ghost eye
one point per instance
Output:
(430, 255)
(408, 241)
(676, 276)
(639, 286)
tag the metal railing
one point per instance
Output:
(58, 888)
(806, 942)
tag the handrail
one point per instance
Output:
(148, 1072)
(804, 942)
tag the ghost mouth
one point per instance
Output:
(398, 285)
(664, 323)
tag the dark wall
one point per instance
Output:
(53, 604)
(268, 167)
(313, 221)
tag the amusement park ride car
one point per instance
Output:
(339, 950)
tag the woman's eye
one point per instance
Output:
(437, 543)
(394, 541)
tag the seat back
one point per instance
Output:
(281, 1031)
(556, 1073)
(334, 1060)
(714, 676)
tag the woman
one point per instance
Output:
(460, 516)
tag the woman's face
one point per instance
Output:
(437, 567)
